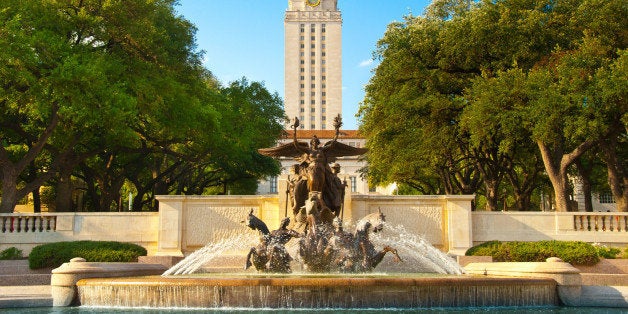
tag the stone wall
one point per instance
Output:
(186, 223)
(26, 231)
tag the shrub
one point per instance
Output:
(11, 253)
(577, 253)
(54, 254)
(607, 252)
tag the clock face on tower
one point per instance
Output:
(313, 3)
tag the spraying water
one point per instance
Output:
(417, 253)
(196, 260)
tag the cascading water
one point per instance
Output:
(200, 257)
(417, 253)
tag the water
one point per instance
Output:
(531, 310)
(200, 257)
(417, 254)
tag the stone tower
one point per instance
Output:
(313, 62)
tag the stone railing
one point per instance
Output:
(609, 221)
(25, 231)
(24, 223)
(594, 227)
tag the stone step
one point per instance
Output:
(606, 266)
(592, 279)
(25, 279)
(13, 267)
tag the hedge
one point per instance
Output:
(574, 252)
(52, 255)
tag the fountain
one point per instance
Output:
(310, 261)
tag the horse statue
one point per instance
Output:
(270, 255)
(313, 173)
(313, 244)
(369, 256)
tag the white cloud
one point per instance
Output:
(366, 63)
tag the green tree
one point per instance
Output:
(425, 105)
(80, 77)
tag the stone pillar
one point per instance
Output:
(459, 235)
(170, 235)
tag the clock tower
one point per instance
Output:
(313, 67)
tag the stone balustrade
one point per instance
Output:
(186, 223)
(608, 221)
(24, 223)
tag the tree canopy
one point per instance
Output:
(106, 97)
(488, 96)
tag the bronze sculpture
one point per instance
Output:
(313, 170)
(316, 195)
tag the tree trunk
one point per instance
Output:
(36, 201)
(63, 197)
(617, 177)
(9, 192)
(556, 165)
(585, 173)
(491, 195)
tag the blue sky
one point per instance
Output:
(244, 38)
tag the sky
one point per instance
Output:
(245, 38)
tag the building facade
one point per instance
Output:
(313, 87)
(313, 62)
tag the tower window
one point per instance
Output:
(312, 109)
(273, 184)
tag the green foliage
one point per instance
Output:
(574, 252)
(485, 96)
(624, 254)
(54, 254)
(97, 95)
(607, 252)
(11, 253)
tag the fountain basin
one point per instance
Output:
(333, 291)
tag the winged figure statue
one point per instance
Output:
(312, 169)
